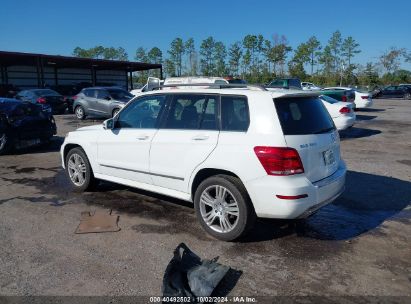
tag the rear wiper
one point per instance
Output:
(324, 130)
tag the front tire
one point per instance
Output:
(80, 113)
(115, 112)
(407, 96)
(79, 170)
(4, 143)
(224, 208)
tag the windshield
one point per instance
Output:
(119, 94)
(301, 116)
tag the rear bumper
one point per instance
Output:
(363, 103)
(263, 193)
(344, 122)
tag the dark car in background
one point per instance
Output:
(8, 90)
(23, 124)
(285, 83)
(340, 94)
(394, 91)
(49, 99)
(100, 101)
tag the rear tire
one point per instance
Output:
(79, 170)
(80, 113)
(224, 208)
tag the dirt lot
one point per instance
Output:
(359, 245)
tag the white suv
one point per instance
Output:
(237, 154)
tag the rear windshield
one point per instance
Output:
(299, 116)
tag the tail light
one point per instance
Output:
(345, 110)
(344, 98)
(364, 97)
(41, 100)
(74, 97)
(279, 161)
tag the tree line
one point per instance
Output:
(258, 59)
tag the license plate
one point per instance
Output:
(329, 158)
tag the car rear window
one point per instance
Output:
(302, 115)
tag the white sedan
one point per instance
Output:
(309, 86)
(341, 112)
(362, 99)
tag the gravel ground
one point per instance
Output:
(359, 245)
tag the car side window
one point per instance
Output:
(142, 113)
(102, 94)
(89, 93)
(234, 113)
(192, 112)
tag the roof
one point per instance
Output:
(16, 58)
(275, 93)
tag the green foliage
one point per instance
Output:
(259, 60)
(176, 53)
(100, 52)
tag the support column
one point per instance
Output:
(93, 76)
(56, 80)
(38, 73)
(131, 81)
(161, 73)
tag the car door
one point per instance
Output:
(123, 151)
(186, 138)
(90, 100)
(389, 92)
(102, 103)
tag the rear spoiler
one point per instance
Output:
(302, 94)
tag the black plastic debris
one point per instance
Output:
(188, 276)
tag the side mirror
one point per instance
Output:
(153, 83)
(107, 98)
(108, 124)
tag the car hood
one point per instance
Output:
(91, 128)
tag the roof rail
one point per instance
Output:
(213, 86)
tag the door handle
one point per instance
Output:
(200, 137)
(142, 137)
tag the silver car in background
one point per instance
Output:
(100, 101)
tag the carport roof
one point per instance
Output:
(17, 58)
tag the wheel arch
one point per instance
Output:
(205, 173)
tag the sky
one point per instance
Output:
(57, 27)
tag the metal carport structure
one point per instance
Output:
(28, 70)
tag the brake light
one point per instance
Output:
(344, 98)
(279, 161)
(345, 110)
(41, 100)
(364, 97)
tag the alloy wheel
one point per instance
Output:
(77, 169)
(219, 209)
(3, 140)
(79, 112)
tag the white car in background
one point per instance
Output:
(362, 99)
(342, 113)
(308, 86)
